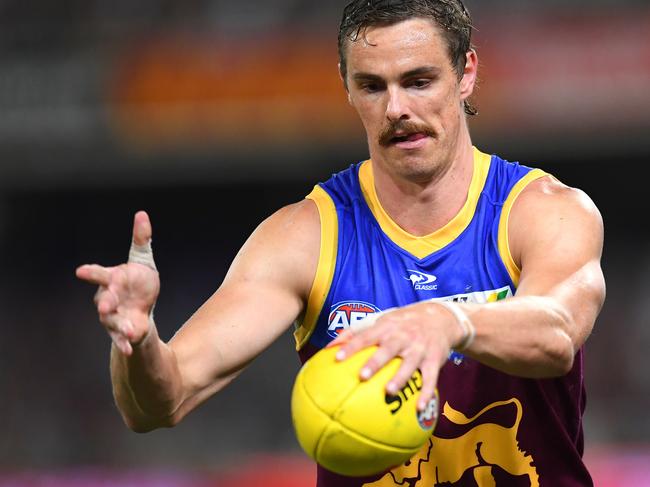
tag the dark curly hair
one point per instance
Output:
(451, 15)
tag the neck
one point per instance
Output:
(420, 205)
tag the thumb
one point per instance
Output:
(140, 251)
(141, 228)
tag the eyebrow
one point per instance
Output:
(424, 70)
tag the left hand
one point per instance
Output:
(421, 334)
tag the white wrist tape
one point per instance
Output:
(469, 332)
(142, 254)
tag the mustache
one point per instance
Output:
(389, 132)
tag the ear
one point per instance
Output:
(468, 81)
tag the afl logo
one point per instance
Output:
(346, 313)
(429, 417)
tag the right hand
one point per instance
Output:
(127, 293)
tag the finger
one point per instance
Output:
(141, 228)
(140, 251)
(94, 274)
(429, 371)
(117, 324)
(106, 301)
(359, 336)
(381, 357)
(368, 321)
(342, 337)
(356, 342)
(122, 344)
(403, 374)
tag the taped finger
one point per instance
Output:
(142, 254)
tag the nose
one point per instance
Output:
(397, 105)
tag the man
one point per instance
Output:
(492, 271)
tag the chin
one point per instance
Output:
(415, 168)
(418, 166)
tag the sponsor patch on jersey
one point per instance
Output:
(490, 296)
(346, 313)
(480, 297)
(422, 281)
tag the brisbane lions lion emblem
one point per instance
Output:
(486, 455)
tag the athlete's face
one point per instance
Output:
(402, 83)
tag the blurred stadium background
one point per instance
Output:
(211, 114)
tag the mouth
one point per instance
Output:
(413, 140)
(408, 137)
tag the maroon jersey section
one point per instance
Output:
(525, 433)
(496, 429)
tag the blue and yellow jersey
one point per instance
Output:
(491, 424)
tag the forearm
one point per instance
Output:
(523, 336)
(146, 385)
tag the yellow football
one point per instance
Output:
(352, 427)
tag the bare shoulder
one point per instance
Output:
(283, 249)
(548, 213)
(550, 191)
(549, 194)
(290, 231)
(292, 220)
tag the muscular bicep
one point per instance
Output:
(261, 296)
(557, 239)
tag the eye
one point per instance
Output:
(370, 87)
(420, 83)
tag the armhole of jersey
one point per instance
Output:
(326, 265)
(504, 245)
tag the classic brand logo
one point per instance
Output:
(345, 314)
(422, 281)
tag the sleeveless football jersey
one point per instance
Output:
(494, 429)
